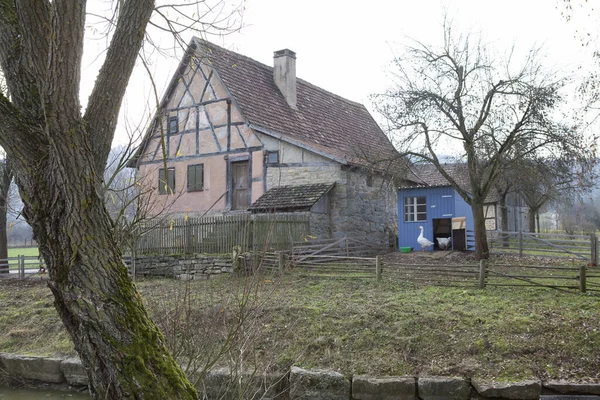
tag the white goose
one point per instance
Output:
(444, 243)
(424, 242)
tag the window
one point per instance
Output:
(173, 125)
(272, 157)
(195, 177)
(166, 186)
(415, 209)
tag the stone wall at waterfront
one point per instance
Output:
(316, 384)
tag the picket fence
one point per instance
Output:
(220, 234)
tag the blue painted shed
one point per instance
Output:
(441, 212)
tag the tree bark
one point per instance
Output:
(5, 180)
(531, 221)
(482, 251)
(120, 347)
(59, 157)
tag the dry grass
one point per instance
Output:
(356, 325)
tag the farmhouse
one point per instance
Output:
(431, 202)
(239, 135)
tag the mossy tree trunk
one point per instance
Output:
(59, 156)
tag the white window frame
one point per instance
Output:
(411, 213)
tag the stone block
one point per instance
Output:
(392, 388)
(573, 388)
(525, 390)
(220, 383)
(318, 384)
(43, 369)
(443, 388)
(74, 372)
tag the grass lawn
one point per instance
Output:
(352, 325)
(26, 251)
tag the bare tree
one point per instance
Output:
(460, 96)
(59, 154)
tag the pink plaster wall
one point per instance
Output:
(215, 185)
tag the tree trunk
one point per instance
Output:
(482, 251)
(59, 157)
(5, 180)
(120, 347)
(531, 222)
(3, 239)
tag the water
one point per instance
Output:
(33, 394)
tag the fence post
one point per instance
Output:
(188, 237)
(347, 251)
(521, 243)
(482, 273)
(281, 262)
(582, 288)
(21, 266)
(378, 268)
(594, 250)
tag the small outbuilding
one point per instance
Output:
(427, 199)
(440, 211)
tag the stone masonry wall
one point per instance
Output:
(366, 209)
(303, 175)
(313, 384)
(361, 205)
(188, 266)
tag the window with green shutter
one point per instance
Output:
(166, 185)
(195, 177)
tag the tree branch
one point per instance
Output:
(105, 101)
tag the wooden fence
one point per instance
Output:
(22, 267)
(579, 277)
(584, 247)
(219, 234)
(463, 275)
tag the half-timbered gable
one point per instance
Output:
(232, 128)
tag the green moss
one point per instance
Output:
(7, 8)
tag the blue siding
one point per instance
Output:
(442, 202)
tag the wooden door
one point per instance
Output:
(239, 185)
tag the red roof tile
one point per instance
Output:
(329, 123)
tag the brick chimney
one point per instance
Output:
(284, 73)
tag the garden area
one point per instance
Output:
(355, 326)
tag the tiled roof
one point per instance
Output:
(428, 175)
(300, 197)
(326, 122)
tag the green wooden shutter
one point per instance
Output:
(161, 181)
(171, 180)
(191, 178)
(200, 177)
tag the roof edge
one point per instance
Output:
(305, 146)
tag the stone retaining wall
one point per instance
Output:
(184, 266)
(316, 384)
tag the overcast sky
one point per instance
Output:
(347, 48)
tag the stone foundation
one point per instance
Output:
(185, 266)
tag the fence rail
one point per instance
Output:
(584, 247)
(219, 234)
(23, 266)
